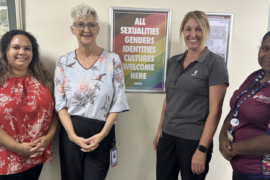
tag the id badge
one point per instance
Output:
(113, 156)
(230, 136)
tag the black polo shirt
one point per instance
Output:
(187, 93)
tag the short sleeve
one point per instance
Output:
(119, 102)
(218, 73)
(59, 85)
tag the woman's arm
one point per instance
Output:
(224, 143)
(216, 97)
(155, 143)
(66, 122)
(44, 141)
(258, 145)
(226, 125)
(96, 139)
(53, 127)
(9, 143)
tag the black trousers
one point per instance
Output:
(78, 165)
(30, 174)
(239, 177)
(175, 154)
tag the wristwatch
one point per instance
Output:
(202, 148)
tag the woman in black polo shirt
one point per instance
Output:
(196, 84)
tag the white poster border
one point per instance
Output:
(229, 33)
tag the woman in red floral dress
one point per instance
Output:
(27, 123)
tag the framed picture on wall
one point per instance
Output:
(219, 39)
(141, 37)
(10, 15)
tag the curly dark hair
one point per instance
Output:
(36, 66)
(265, 36)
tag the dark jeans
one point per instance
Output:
(174, 154)
(78, 165)
(240, 177)
(30, 174)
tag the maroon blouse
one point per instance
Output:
(254, 120)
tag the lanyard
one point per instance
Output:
(235, 121)
(113, 142)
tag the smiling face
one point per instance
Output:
(85, 36)
(264, 55)
(193, 35)
(19, 53)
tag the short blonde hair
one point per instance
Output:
(202, 20)
(79, 12)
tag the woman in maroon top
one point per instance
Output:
(27, 123)
(248, 148)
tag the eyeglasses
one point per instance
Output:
(81, 26)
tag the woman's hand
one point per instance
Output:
(155, 143)
(225, 148)
(25, 149)
(198, 162)
(42, 144)
(79, 141)
(92, 142)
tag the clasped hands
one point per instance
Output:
(225, 148)
(89, 144)
(35, 148)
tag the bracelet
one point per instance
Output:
(21, 149)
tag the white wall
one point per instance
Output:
(49, 21)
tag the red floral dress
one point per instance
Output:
(26, 108)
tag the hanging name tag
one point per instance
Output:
(230, 135)
(234, 122)
(113, 156)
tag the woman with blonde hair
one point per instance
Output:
(27, 121)
(196, 84)
(89, 95)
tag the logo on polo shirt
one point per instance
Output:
(195, 73)
(260, 97)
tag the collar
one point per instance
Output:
(202, 57)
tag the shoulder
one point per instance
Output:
(214, 58)
(250, 78)
(66, 57)
(215, 62)
(31, 77)
(33, 80)
(253, 75)
(175, 58)
(109, 54)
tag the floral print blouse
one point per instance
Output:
(91, 93)
(26, 108)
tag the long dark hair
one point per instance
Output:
(36, 66)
